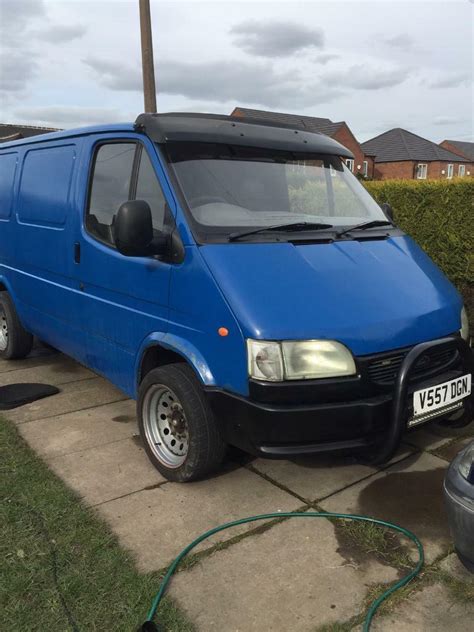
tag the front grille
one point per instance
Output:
(384, 368)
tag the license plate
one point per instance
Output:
(441, 395)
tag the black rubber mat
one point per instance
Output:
(14, 395)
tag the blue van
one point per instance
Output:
(237, 280)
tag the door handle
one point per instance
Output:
(77, 252)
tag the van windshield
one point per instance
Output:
(232, 188)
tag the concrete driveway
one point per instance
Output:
(297, 575)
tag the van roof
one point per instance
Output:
(70, 133)
(210, 128)
(220, 128)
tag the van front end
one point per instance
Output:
(368, 411)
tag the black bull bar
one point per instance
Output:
(391, 439)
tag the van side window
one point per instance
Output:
(149, 189)
(110, 188)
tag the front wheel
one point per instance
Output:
(176, 424)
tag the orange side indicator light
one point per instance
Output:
(223, 331)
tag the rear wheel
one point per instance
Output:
(176, 424)
(15, 341)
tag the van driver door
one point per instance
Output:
(121, 299)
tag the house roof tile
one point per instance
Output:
(399, 144)
(13, 132)
(464, 147)
(309, 123)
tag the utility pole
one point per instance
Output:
(149, 89)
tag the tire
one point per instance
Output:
(172, 407)
(15, 342)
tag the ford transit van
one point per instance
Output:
(237, 280)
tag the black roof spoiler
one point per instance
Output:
(219, 128)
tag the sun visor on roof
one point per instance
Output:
(212, 128)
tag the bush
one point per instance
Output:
(439, 215)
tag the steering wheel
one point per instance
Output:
(201, 200)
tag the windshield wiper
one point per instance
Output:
(294, 226)
(372, 224)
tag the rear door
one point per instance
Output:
(121, 299)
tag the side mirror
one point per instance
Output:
(388, 211)
(133, 231)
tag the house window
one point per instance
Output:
(421, 171)
(365, 170)
(350, 164)
(461, 170)
(450, 171)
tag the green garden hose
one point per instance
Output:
(149, 626)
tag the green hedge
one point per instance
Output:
(439, 215)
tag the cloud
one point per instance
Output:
(59, 34)
(450, 80)
(21, 26)
(447, 120)
(69, 116)
(367, 77)
(402, 41)
(324, 58)
(17, 68)
(275, 39)
(16, 16)
(220, 81)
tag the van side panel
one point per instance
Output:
(37, 248)
(43, 198)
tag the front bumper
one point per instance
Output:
(459, 498)
(284, 420)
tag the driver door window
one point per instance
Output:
(110, 187)
(149, 189)
(114, 182)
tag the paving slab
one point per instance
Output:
(453, 566)
(409, 493)
(427, 438)
(156, 524)
(80, 430)
(317, 476)
(73, 396)
(314, 478)
(290, 577)
(56, 373)
(37, 357)
(108, 471)
(431, 610)
(451, 450)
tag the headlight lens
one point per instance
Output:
(464, 331)
(315, 359)
(298, 360)
(466, 464)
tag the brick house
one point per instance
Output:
(399, 153)
(15, 132)
(464, 149)
(363, 163)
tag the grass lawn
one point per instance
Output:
(57, 556)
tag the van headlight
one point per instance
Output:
(298, 360)
(464, 331)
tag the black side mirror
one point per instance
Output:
(133, 231)
(388, 211)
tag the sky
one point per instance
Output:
(376, 65)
